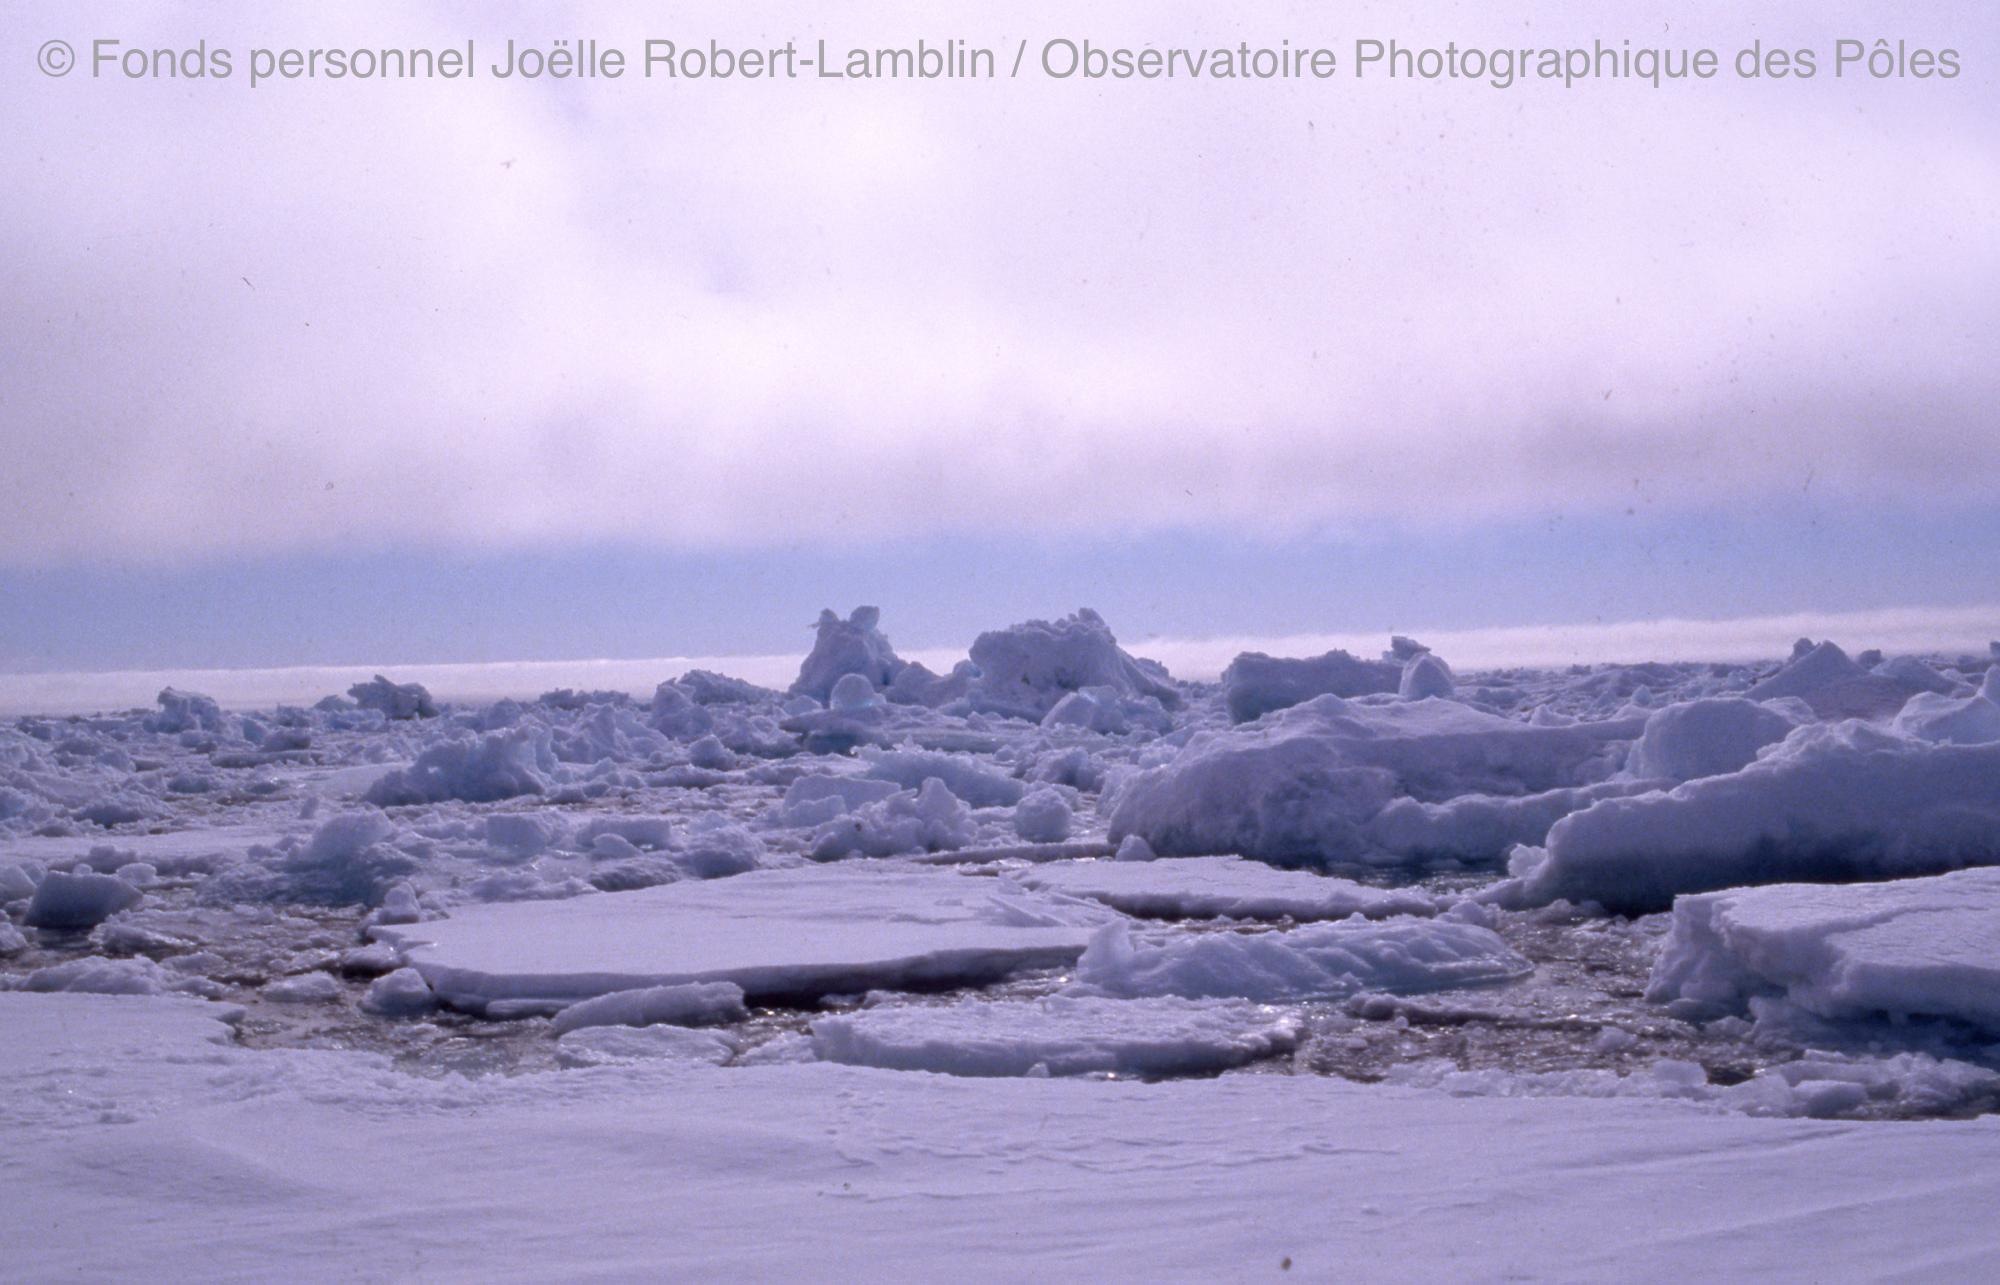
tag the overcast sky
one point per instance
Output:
(611, 362)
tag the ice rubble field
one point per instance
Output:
(1048, 962)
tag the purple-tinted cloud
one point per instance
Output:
(336, 315)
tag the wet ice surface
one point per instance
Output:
(288, 860)
(1583, 1007)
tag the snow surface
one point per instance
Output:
(143, 1144)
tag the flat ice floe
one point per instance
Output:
(1912, 948)
(794, 933)
(1221, 888)
(1058, 1035)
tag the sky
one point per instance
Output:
(318, 373)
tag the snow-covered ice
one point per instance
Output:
(785, 933)
(142, 1143)
(1058, 1035)
(1221, 888)
(1321, 961)
(1888, 951)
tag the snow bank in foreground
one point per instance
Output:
(1833, 802)
(1058, 1035)
(1912, 948)
(1324, 961)
(1820, 1085)
(1221, 887)
(894, 1176)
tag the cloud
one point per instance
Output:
(340, 316)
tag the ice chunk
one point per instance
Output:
(1322, 961)
(1058, 1035)
(78, 901)
(403, 993)
(1300, 785)
(1426, 676)
(814, 800)
(1911, 948)
(96, 975)
(1024, 670)
(690, 1004)
(348, 861)
(1221, 887)
(623, 1045)
(307, 988)
(1043, 816)
(931, 819)
(477, 769)
(1705, 738)
(1915, 675)
(1255, 684)
(1831, 803)
(1968, 720)
(705, 687)
(788, 933)
(964, 775)
(185, 712)
(851, 646)
(1108, 712)
(1134, 848)
(395, 700)
(1826, 679)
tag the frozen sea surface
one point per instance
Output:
(1345, 948)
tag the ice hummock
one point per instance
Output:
(1024, 670)
(1301, 786)
(1833, 802)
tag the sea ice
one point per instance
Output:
(77, 901)
(1058, 1035)
(1321, 961)
(1220, 887)
(1255, 684)
(789, 933)
(689, 1004)
(1832, 802)
(852, 646)
(1300, 785)
(1910, 948)
(1026, 669)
